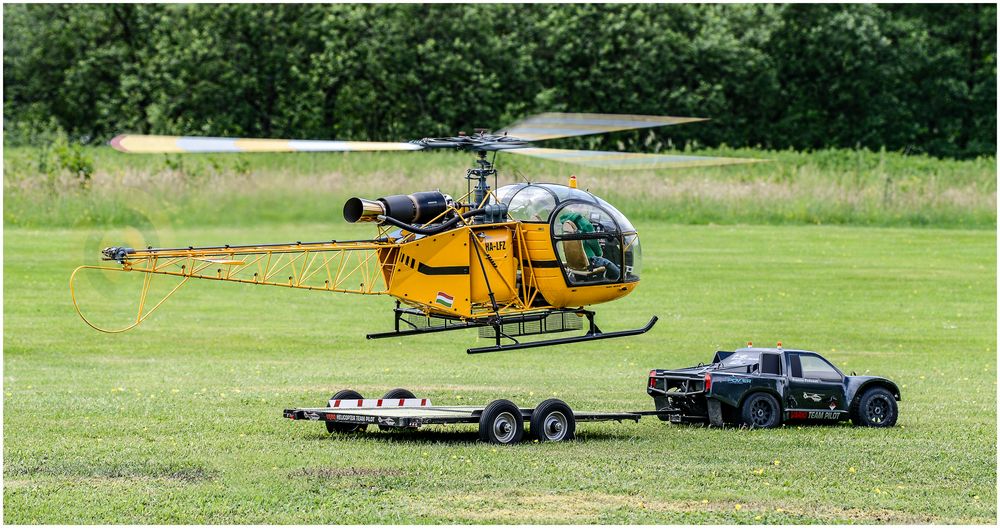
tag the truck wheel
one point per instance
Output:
(760, 410)
(876, 407)
(553, 421)
(715, 415)
(395, 394)
(501, 423)
(334, 427)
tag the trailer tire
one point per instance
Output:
(394, 394)
(334, 427)
(553, 421)
(501, 423)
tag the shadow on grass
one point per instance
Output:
(469, 434)
(179, 471)
(454, 437)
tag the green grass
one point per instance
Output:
(179, 420)
(827, 187)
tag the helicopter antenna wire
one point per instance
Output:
(496, 173)
(517, 174)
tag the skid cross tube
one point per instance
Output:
(589, 336)
(594, 333)
(419, 331)
(451, 323)
(454, 323)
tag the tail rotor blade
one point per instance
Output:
(554, 125)
(628, 160)
(140, 144)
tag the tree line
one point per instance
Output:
(912, 78)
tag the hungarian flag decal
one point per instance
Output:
(444, 299)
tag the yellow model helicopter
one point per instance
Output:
(518, 260)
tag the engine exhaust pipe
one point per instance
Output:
(361, 210)
(416, 208)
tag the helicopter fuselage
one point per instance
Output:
(475, 270)
(561, 248)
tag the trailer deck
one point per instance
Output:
(500, 421)
(417, 417)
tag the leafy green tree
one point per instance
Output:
(914, 78)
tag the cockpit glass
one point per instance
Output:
(562, 192)
(583, 218)
(503, 194)
(623, 222)
(588, 244)
(633, 258)
(527, 201)
(531, 204)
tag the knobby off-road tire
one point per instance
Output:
(715, 415)
(553, 421)
(501, 423)
(760, 410)
(876, 407)
(334, 427)
(395, 394)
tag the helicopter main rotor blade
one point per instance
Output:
(628, 160)
(175, 144)
(554, 125)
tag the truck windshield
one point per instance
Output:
(740, 359)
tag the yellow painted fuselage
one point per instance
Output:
(454, 273)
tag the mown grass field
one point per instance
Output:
(179, 420)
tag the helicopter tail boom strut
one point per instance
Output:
(344, 267)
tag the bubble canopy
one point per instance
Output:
(535, 202)
(594, 243)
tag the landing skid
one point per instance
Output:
(593, 334)
(524, 324)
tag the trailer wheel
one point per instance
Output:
(395, 394)
(334, 427)
(760, 410)
(553, 421)
(501, 423)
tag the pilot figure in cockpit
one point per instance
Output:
(592, 246)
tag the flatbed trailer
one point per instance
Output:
(500, 421)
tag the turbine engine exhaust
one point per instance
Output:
(416, 208)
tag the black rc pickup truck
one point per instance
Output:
(765, 387)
